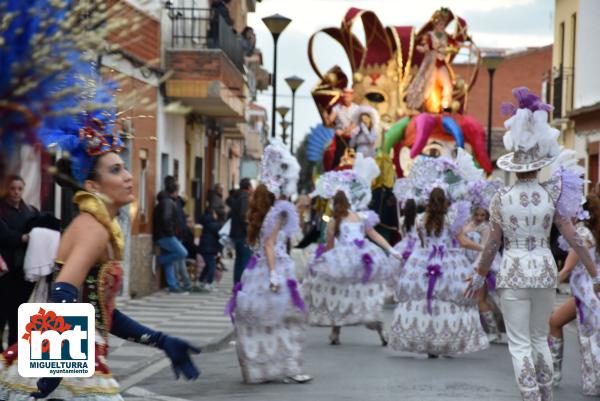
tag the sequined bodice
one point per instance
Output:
(351, 231)
(100, 288)
(526, 216)
(525, 212)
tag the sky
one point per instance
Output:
(492, 23)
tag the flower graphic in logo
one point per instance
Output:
(44, 321)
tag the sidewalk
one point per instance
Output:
(197, 317)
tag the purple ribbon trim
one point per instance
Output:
(579, 306)
(368, 267)
(406, 254)
(491, 281)
(233, 301)
(296, 298)
(252, 262)
(320, 251)
(438, 250)
(433, 273)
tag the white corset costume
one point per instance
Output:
(525, 212)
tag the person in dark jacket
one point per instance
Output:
(216, 203)
(209, 247)
(238, 205)
(181, 227)
(165, 226)
(15, 217)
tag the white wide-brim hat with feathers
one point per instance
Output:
(532, 141)
(355, 183)
(279, 169)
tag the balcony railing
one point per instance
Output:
(562, 91)
(201, 28)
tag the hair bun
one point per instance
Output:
(63, 174)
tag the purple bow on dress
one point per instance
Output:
(368, 266)
(359, 243)
(438, 250)
(320, 251)
(491, 281)
(433, 273)
(296, 298)
(233, 301)
(579, 306)
(252, 262)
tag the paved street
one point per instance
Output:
(360, 370)
(196, 317)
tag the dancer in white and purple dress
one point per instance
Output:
(478, 231)
(433, 317)
(266, 307)
(583, 306)
(347, 282)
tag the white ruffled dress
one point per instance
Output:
(269, 326)
(347, 284)
(433, 316)
(588, 316)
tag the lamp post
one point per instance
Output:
(276, 23)
(294, 83)
(284, 125)
(491, 63)
(283, 110)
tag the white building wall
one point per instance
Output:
(171, 141)
(587, 55)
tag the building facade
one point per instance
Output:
(575, 81)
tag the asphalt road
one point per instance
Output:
(360, 369)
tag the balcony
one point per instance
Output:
(562, 92)
(206, 63)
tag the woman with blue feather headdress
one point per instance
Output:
(67, 107)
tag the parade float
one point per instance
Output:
(404, 86)
(402, 90)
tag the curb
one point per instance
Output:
(150, 366)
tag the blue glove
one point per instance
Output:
(176, 349)
(178, 352)
(61, 293)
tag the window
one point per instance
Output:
(176, 169)
(143, 177)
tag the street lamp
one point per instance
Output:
(283, 110)
(276, 24)
(491, 63)
(294, 83)
(284, 125)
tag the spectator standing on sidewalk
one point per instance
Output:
(238, 206)
(180, 266)
(209, 247)
(14, 289)
(165, 223)
(216, 203)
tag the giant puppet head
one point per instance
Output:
(383, 68)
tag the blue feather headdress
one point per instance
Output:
(87, 131)
(49, 91)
